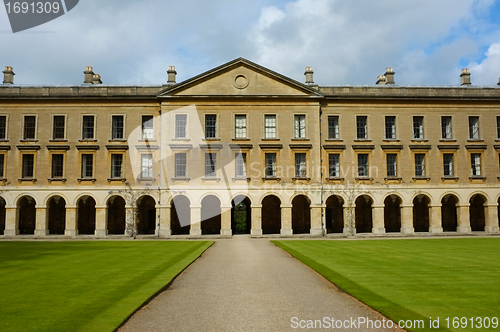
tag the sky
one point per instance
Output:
(346, 42)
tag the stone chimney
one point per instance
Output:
(8, 75)
(465, 77)
(309, 75)
(96, 79)
(381, 80)
(171, 75)
(89, 75)
(389, 76)
(498, 82)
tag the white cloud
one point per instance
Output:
(488, 71)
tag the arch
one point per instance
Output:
(477, 212)
(392, 213)
(334, 214)
(449, 216)
(180, 215)
(116, 215)
(210, 215)
(2, 215)
(56, 213)
(421, 204)
(363, 214)
(209, 193)
(301, 215)
(241, 216)
(26, 212)
(271, 215)
(269, 193)
(146, 215)
(86, 215)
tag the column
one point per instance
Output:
(378, 219)
(407, 219)
(101, 224)
(256, 220)
(349, 219)
(491, 213)
(41, 224)
(316, 221)
(70, 228)
(286, 220)
(225, 221)
(129, 220)
(463, 219)
(165, 227)
(11, 221)
(435, 222)
(195, 229)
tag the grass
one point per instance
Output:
(84, 286)
(412, 279)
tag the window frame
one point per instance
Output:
(210, 165)
(115, 166)
(5, 136)
(421, 166)
(446, 128)
(147, 133)
(56, 129)
(333, 128)
(23, 166)
(176, 126)
(240, 165)
(474, 133)
(35, 128)
(85, 166)
(53, 166)
(363, 169)
(300, 165)
(299, 126)
(421, 128)
(270, 129)
(391, 172)
(361, 129)
(149, 167)
(448, 165)
(270, 169)
(476, 167)
(180, 170)
(334, 164)
(83, 133)
(211, 121)
(113, 128)
(240, 131)
(392, 127)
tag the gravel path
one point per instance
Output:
(244, 284)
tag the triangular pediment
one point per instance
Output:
(240, 77)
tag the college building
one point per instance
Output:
(243, 149)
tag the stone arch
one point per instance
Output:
(146, 215)
(334, 214)
(421, 213)
(301, 215)
(363, 214)
(56, 215)
(449, 215)
(26, 212)
(477, 212)
(180, 215)
(116, 215)
(392, 214)
(241, 215)
(86, 215)
(210, 215)
(3, 203)
(271, 215)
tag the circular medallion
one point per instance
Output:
(241, 82)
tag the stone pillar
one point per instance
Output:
(225, 221)
(101, 222)
(70, 227)
(41, 224)
(435, 222)
(491, 213)
(316, 221)
(195, 229)
(378, 219)
(11, 221)
(286, 220)
(165, 227)
(129, 218)
(256, 220)
(463, 219)
(407, 219)
(349, 219)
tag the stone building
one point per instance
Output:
(243, 149)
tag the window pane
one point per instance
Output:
(57, 165)
(28, 165)
(390, 127)
(210, 125)
(2, 164)
(240, 126)
(241, 165)
(498, 127)
(180, 165)
(147, 166)
(300, 126)
(147, 127)
(116, 165)
(418, 127)
(333, 127)
(117, 127)
(180, 125)
(88, 127)
(334, 165)
(300, 165)
(270, 126)
(210, 164)
(473, 127)
(29, 127)
(3, 127)
(475, 164)
(419, 164)
(391, 164)
(448, 164)
(361, 123)
(362, 164)
(87, 165)
(446, 127)
(270, 168)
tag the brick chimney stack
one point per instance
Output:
(171, 75)
(309, 75)
(465, 77)
(89, 75)
(8, 75)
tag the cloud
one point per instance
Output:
(488, 71)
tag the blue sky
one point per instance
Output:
(427, 42)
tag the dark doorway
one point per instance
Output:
(421, 213)
(180, 215)
(363, 212)
(392, 214)
(146, 219)
(57, 215)
(2, 215)
(86, 215)
(477, 213)
(241, 217)
(27, 215)
(301, 215)
(116, 215)
(210, 215)
(271, 215)
(335, 214)
(449, 213)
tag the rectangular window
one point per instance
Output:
(390, 127)
(392, 165)
(334, 165)
(473, 127)
(300, 126)
(448, 164)
(419, 164)
(57, 166)
(180, 165)
(147, 166)
(270, 168)
(363, 165)
(117, 166)
(88, 127)
(210, 165)
(300, 165)
(475, 164)
(418, 127)
(2, 166)
(180, 125)
(58, 127)
(241, 165)
(30, 127)
(446, 127)
(210, 125)
(333, 127)
(28, 166)
(240, 126)
(3, 127)
(498, 127)
(361, 127)
(147, 127)
(270, 126)
(87, 165)
(117, 127)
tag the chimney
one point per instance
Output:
(309, 75)
(498, 82)
(8, 75)
(381, 80)
(96, 79)
(89, 75)
(171, 75)
(389, 76)
(465, 76)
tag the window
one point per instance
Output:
(241, 165)
(210, 125)
(300, 165)
(361, 127)
(446, 127)
(270, 168)
(418, 127)
(392, 165)
(180, 165)
(147, 127)
(88, 127)
(117, 127)
(363, 165)
(334, 165)
(390, 127)
(146, 166)
(3, 127)
(300, 126)
(333, 127)
(448, 164)
(57, 166)
(180, 125)
(240, 126)
(28, 166)
(30, 127)
(58, 131)
(475, 164)
(270, 126)
(117, 166)
(419, 164)
(498, 127)
(210, 165)
(87, 165)
(473, 127)
(2, 166)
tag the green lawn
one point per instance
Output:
(84, 286)
(413, 279)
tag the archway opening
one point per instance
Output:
(301, 215)
(363, 213)
(271, 215)
(421, 213)
(477, 213)
(56, 215)
(180, 215)
(146, 215)
(2, 215)
(27, 215)
(392, 214)
(116, 215)
(210, 215)
(334, 214)
(449, 217)
(86, 215)
(241, 217)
